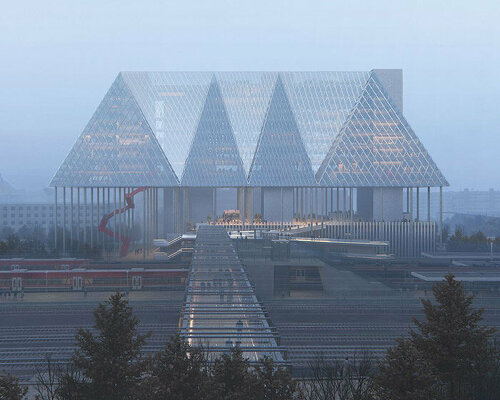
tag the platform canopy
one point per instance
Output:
(231, 129)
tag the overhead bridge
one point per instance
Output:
(221, 310)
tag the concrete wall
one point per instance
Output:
(380, 204)
(392, 81)
(272, 204)
(200, 204)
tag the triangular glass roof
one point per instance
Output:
(214, 159)
(280, 158)
(321, 103)
(377, 147)
(279, 128)
(246, 96)
(117, 148)
(172, 103)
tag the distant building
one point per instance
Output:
(8, 194)
(472, 202)
(17, 215)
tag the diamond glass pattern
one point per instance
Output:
(246, 96)
(214, 159)
(377, 147)
(321, 103)
(117, 148)
(280, 158)
(272, 128)
(172, 103)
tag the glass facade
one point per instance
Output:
(322, 102)
(248, 129)
(214, 159)
(377, 147)
(117, 148)
(172, 103)
(281, 158)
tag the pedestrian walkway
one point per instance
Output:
(221, 310)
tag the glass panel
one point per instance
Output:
(116, 148)
(280, 158)
(246, 96)
(321, 103)
(172, 104)
(214, 159)
(377, 147)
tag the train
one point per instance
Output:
(43, 263)
(82, 279)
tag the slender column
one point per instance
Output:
(97, 233)
(302, 204)
(281, 208)
(115, 207)
(151, 224)
(108, 211)
(120, 216)
(428, 203)
(338, 202)
(71, 219)
(214, 204)
(411, 203)
(250, 205)
(418, 203)
(150, 219)
(440, 214)
(323, 191)
(186, 207)
(103, 214)
(78, 216)
(316, 206)
(55, 219)
(296, 203)
(344, 213)
(164, 220)
(132, 227)
(85, 210)
(175, 208)
(351, 204)
(64, 222)
(331, 201)
(91, 217)
(407, 200)
(156, 211)
(153, 200)
(144, 195)
(128, 211)
(311, 209)
(244, 215)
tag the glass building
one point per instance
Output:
(285, 146)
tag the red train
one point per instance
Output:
(80, 279)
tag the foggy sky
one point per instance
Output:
(58, 58)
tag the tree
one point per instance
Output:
(349, 379)
(10, 388)
(47, 381)
(452, 340)
(404, 375)
(108, 365)
(232, 378)
(449, 350)
(273, 382)
(177, 372)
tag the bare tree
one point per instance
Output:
(348, 379)
(47, 380)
